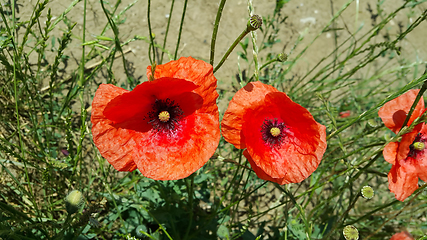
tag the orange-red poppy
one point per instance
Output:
(283, 142)
(167, 128)
(402, 236)
(408, 157)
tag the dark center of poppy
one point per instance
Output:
(417, 147)
(273, 132)
(165, 116)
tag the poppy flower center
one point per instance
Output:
(417, 147)
(165, 116)
(272, 131)
(275, 131)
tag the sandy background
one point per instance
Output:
(304, 18)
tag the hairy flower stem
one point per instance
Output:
(215, 31)
(241, 36)
(167, 31)
(254, 23)
(152, 59)
(282, 57)
(180, 29)
(190, 203)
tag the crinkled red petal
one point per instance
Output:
(139, 100)
(250, 97)
(394, 112)
(260, 173)
(403, 178)
(302, 149)
(170, 158)
(421, 163)
(115, 144)
(407, 140)
(390, 152)
(196, 71)
(402, 236)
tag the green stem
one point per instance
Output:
(190, 203)
(180, 29)
(268, 63)
(167, 30)
(81, 93)
(215, 31)
(152, 60)
(239, 38)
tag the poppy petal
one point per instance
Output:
(196, 71)
(394, 112)
(178, 157)
(260, 173)
(140, 99)
(421, 162)
(407, 140)
(116, 145)
(249, 97)
(402, 236)
(403, 179)
(390, 152)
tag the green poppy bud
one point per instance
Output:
(254, 23)
(367, 192)
(74, 201)
(282, 57)
(350, 233)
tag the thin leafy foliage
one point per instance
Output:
(46, 148)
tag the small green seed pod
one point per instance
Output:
(282, 57)
(350, 233)
(254, 23)
(367, 192)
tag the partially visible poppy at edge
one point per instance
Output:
(167, 128)
(402, 236)
(284, 144)
(408, 157)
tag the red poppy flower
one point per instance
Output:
(402, 236)
(283, 142)
(167, 128)
(408, 156)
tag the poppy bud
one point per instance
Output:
(281, 57)
(350, 233)
(372, 123)
(367, 192)
(254, 23)
(73, 201)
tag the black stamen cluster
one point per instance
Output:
(175, 114)
(269, 139)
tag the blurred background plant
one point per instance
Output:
(53, 58)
